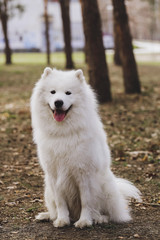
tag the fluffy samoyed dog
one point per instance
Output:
(74, 154)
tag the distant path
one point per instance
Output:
(146, 47)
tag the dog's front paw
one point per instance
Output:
(61, 222)
(43, 216)
(81, 223)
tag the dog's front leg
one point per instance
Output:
(62, 209)
(86, 204)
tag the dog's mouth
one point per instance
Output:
(59, 114)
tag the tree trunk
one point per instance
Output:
(130, 73)
(4, 21)
(47, 30)
(98, 70)
(64, 4)
(117, 59)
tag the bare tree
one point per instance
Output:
(47, 30)
(4, 21)
(66, 32)
(96, 59)
(130, 73)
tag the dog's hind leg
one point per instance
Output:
(101, 219)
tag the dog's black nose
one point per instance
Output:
(58, 103)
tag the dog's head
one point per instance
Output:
(61, 91)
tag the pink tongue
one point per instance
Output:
(59, 116)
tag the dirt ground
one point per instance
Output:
(132, 123)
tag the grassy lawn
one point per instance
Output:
(58, 58)
(40, 58)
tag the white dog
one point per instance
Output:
(74, 155)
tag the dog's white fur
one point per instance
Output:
(74, 155)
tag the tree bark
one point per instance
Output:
(117, 58)
(4, 21)
(130, 73)
(64, 4)
(98, 70)
(47, 30)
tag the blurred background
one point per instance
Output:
(27, 25)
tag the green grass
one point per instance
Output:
(32, 209)
(57, 58)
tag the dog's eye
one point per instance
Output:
(68, 93)
(53, 92)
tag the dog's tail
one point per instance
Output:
(128, 189)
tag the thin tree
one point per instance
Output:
(64, 4)
(130, 72)
(47, 30)
(4, 22)
(96, 59)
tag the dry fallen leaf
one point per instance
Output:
(145, 158)
(136, 235)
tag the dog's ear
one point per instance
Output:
(47, 71)
(79, 75)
